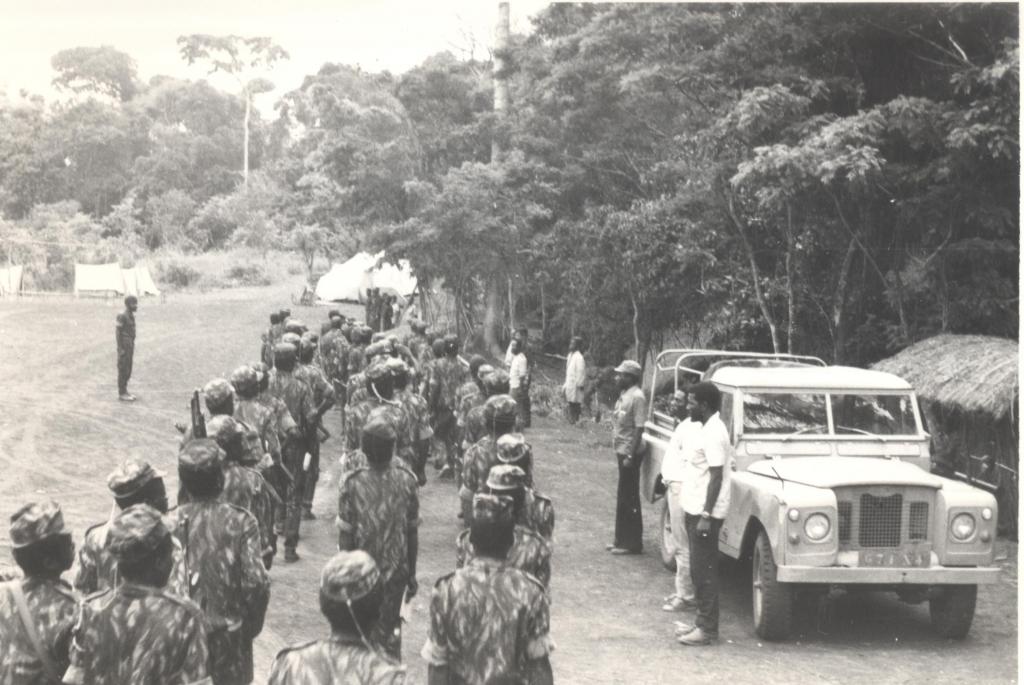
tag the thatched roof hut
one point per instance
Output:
(969, 392)
(975, 373)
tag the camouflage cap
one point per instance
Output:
(202, 455)
(312, 336)
(379, 425)
(283, 350)
(492, 508)
(512, 448)
(376, 372)
(500, 407)
(261, 370)
(34, 522)
(629, 368)
(245, 380)
(348, 576)
(396, 365)
(136, 532)
(373, 349)
(506, 477)
(129, 477)
(483, 371)
(294, 326)
(293, 339)
(307, 345)
(226, 431)
(496, 379)
(418, 326)
(218, 391)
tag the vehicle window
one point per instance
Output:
(784, 413)
(873, 415)
(725, 413)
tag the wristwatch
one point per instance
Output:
(705, 515)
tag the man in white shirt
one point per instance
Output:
(519, 382)
(685, 440)
(575, 379)
(705, 503)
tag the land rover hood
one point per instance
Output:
(834, 472)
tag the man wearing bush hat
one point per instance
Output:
(350, 598)
(533, 510)
(43, 549)
(500, 418)
(627, 440)
(138, 633)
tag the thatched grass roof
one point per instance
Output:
(966, 372)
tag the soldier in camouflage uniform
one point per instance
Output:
(530, 552)
(334, 347)
(350, 599)
(323, 400)
(298, 397)
(222, 551)
(531, 509)
(219, 397)
(500, 418)
(489, 622)
(419, 418)
(378, 512)
(133, 482)
(139, 633)
(356, 353)
(433, 354)
(417, 341)
(269, 339)
(494, 383)
(287, 431)
(381, 394)
(43, 549)
(447, 376)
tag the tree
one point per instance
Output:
(103, 70)
(239, 57)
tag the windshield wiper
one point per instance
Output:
(786, 437)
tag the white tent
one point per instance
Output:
(350, 281)
(97, 279)
(10, 279)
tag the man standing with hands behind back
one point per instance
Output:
(125, 336)
(627, 439)
(706, 501)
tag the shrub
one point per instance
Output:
(178, 275)
(248, 274)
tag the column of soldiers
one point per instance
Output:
(177, 595)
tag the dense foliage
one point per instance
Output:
(828, 179)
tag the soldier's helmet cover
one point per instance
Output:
(136, 532)
(34, 522)
(201, 456)
(130, 476)
(218, 391)
(225, 430)
(377, 372)
(492, 508)
(500, 407)
(348, 576)
(293, 339)
(484, 371)
(245, 380)
(379, 425)
(284, 351)
(506, 477)
(513, 448)
(495, 380)
(294, 326)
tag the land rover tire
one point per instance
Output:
(952, 610)
(772, 600)
(666, 543)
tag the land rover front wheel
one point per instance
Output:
(668, 545)
(952, 610)
(773, 601)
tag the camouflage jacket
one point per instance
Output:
(323, 389)
(138, 635)
(298, 397)
(487, 622)
(356, 359)
(356, 390)
(467, 397)
(537, 514)
(418, 344)
(351, 460)
(245, 487)
(52, 606)
(419, 415)
(530, 553)
(445, 378)
(96, 569)
(281, 417)
(334, 351)
(397, 416)
(261, 418)
(338, 659)
(378, 509)
(476, 464)
(475, 426)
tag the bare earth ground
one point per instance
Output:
(63, 430)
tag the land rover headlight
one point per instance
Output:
(962, 527)
(817, 527)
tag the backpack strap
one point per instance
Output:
(30, 630)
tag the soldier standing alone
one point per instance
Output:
(124, 333)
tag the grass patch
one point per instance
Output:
(233, 268)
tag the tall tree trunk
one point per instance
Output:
(245, 139)
(492, 317)
(790, 288)
(755, 274)
(511, 307)
(543, 315)
(839, 304)
(500, 72)
(636, 327)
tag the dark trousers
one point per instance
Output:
(574, 412)
(387, 632)
(629, 524)
(522, 397)
(294, 455)
(124, 368)
(704, 573)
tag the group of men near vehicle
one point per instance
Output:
(177, 595)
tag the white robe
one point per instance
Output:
(575, 377)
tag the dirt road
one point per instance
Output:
(63, 430)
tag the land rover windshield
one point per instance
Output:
(792, 414)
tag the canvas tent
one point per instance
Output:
(350, 281)
(11, 279)
(107, 279)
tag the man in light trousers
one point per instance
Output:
(685, 439)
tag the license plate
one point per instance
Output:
(896, 558)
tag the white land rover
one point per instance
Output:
(831, 486)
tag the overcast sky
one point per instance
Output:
(375, 34)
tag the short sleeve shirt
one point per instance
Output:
(713, 449)
(630, 414)
(685, 438)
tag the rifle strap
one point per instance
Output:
(30, 630)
